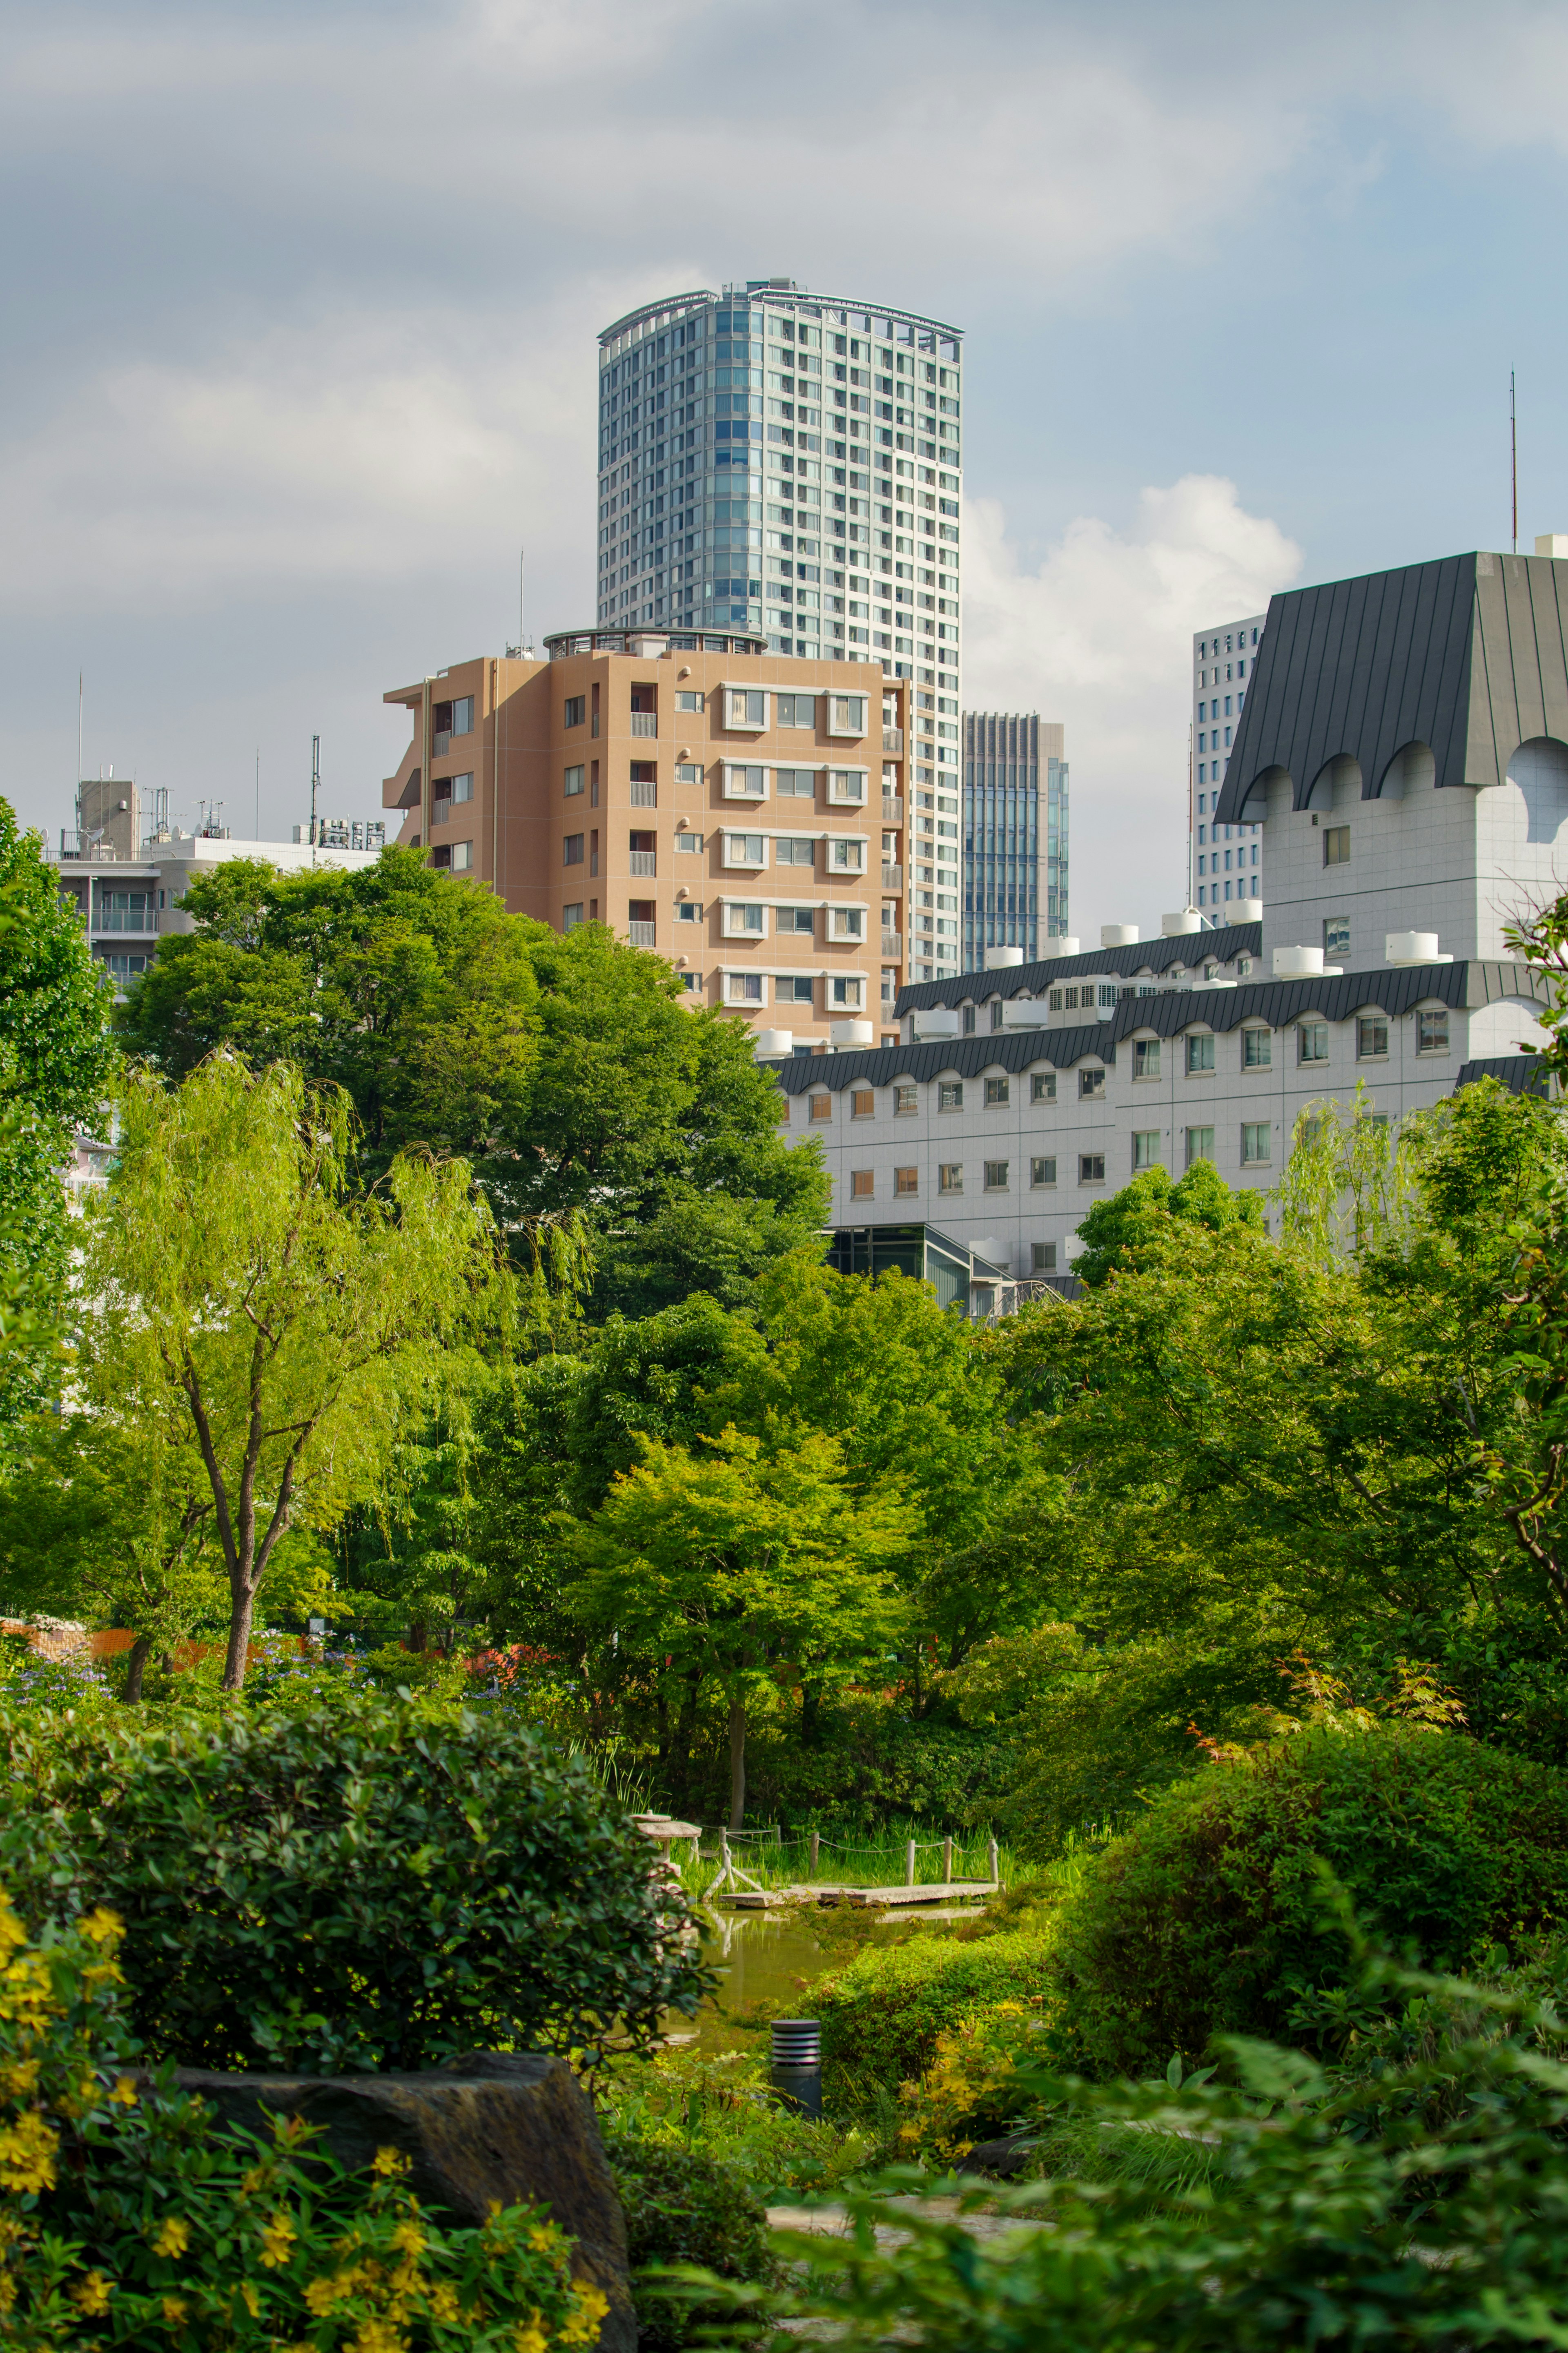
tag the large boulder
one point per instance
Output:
(492, 2127)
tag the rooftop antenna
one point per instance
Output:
(1513, 456)
(80, 704)
(258, 792)
(521, 576)
(315, 788)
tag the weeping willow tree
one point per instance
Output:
(1352, 1181)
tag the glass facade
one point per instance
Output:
(1014, 834)
(790, 463)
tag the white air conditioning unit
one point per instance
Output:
(1058, 947)
(1118, 935)
(1175, 927)
(1247, 911)
(772, 1042)
(1303, 964)
(932, 1022)
(1412, 947)
(1003, 959)
(850, 1037)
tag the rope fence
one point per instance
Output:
(813, 1841)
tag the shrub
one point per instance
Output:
(125, 2216)
(683, 2208)
(351, 1882)
(972, 2091)
(883, 2015)
(1423, 2207)
(1207, 1917)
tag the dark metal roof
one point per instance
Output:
(1391, 990)
(1521, 1074)
(1468, 656)
(1143, 956)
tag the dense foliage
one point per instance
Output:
(350, 1882)
(682, 2208)
(1207, 1917)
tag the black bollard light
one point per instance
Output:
(797, 2068)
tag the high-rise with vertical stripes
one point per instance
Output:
(1224, 862)
(790, 464)
(1014, 834)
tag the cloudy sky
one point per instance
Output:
(299, 342)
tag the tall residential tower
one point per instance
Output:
(789, 464)
(1014, 834)
(1223, 861)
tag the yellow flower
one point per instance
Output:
(530, 2337)
(408, 2237)
(593, 2304)
(124, 2092)
(27, 2152)
(389, 2161)
(442, 2303)
(376, 2337)
(544, 2237)
(92, 2294)
(278, 2241)
(175, 2310)
(174, 2238)
(252, 2301)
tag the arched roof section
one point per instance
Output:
(1411, 769)
(1539, 769)
(1338, 781)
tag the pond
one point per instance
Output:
(769, 1961)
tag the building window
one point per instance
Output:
(1336, 845)
(687, 698)
(460, 789)
(797, 710)
(821, 1107)
(462, 857)
(1432, 1031)
(996, 1012)
(689, 842)
(1090, 1083)
(743, 919)
(792, 991)
(688, 912)
(572, 850)
(862, 1104)
(949, 1176)
(1257, 1049)
(968, 1021)
(847, 715)
(1200, 1055)
(1042, 1258)
(1336, 936)
(1091, 1168)
(744, 783)
(950, 1094)
(905, 1101)
(691, 984)
(573, 780)
(862, 1183)
(1313, 1041)
(1043, 1172)
(1256, 1143)
(996, 1175)
(906, 1181)
(845, 992)
(847, 857)
(1371, 1038)
(1043, 1087)
(1146, 1058)
(572, 916)
(795, 919)
(1200, 1144)
(996, 1092)
(577, 709)
(847, 784)
(745, 849)
(848, 922)
(1145, 1148)
(687, 772)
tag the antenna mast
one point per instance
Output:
(1513, 457)
(315, 787)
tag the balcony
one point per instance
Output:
(893, 743)
(124, 919)
(644, 722)
(644, 862)
(641, 936)
(893, 808)
(892, 947)
(892, 877)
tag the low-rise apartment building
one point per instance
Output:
(1404, 750)
(745, 814)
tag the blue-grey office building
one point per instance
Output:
(1014, 834)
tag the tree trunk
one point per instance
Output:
(810, 1713)
(135, 1668)
(241, 1612)
(737, 1764)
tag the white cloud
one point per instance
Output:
(1098, 636)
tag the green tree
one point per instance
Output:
(1116, 1228)
(56, 1062)
(747, 1560)
(249, 1314)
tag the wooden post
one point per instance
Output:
(815, 1838)
(910, 1865)
(947, 1861)
(995, 1860)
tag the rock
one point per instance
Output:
(1005, 2156)
(490, 2126)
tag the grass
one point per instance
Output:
(857, 1859)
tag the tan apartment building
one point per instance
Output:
(741, 813)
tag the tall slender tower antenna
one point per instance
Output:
(522, 576)
(80, 704)
(258, 792)
(315, 787)
(1513, 457)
